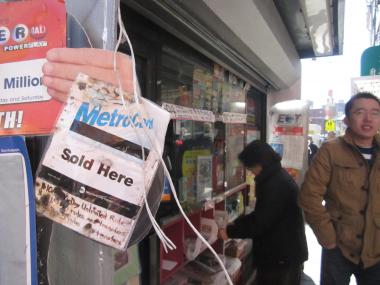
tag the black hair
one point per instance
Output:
(258, 152)
(360, 95)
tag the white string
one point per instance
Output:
(105, 29)
(136, 89)
(155, 146)
(167, 243)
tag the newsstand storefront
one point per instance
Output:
(217, 105)
(177, 75)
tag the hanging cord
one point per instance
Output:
(156, 147)
(166, 242)
(105, 29)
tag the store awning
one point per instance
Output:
(261, 41)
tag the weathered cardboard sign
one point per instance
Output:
(101, 159)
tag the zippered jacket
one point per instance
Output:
(350, 189)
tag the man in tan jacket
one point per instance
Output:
(341, 197)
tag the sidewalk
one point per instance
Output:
(313, 264)
(306, 280)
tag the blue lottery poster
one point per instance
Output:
(18, 250)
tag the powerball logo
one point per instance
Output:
(19, 34)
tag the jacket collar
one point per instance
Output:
(267, 172)
(350, 140)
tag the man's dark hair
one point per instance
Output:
(258, 152)
(360, 95)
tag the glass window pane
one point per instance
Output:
(234, 145)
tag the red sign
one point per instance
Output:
(289, 131)
(28, 29)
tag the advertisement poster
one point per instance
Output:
(208, 95)
(217, 85)
(18, 249)
(28, 29)
(204, 177)
(234, 172)
(288, 127)
(188, 186)
(218, 166)
(199, 88)
(101, 159)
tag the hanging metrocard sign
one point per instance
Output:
(18, 250)
(102, 157)
(28, 29)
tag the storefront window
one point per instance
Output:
(176, 78)
(255, 103)
(234, 145)
(202, 88)
(218, 159)
(193, 160)
(233, 94)
(186, 80)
